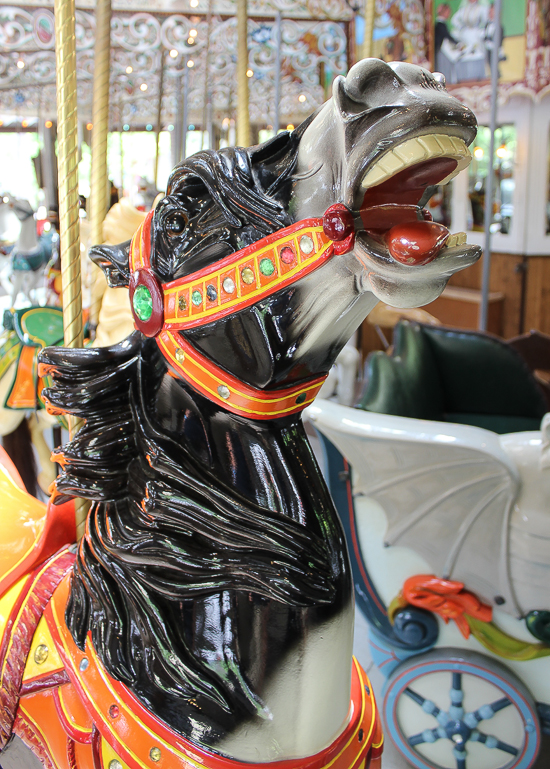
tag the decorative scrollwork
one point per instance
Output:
(311, 51)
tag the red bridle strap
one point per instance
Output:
(229, 285)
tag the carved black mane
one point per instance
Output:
(163, 530)
(213, 575)
(166, 529)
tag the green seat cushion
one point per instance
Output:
(495, 423)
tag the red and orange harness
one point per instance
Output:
(232, 284)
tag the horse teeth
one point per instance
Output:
(456, 239)
(417, 150)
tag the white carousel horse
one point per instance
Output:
(30, 254)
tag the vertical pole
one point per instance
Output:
(369, 28)
(177, 133)
(100, 132)
(489, 186)
(185, 119)
(159, 117)
(278, 43)
(243, 115)
(49, 166)
(206, 128)
(120, 145)
(69, 224)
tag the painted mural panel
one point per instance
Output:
(399, 31)
(464, 32)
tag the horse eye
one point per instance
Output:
(176, 223)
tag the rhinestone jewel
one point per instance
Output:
(114, 711)
(267, 267)
(182, 303)
(83, 664)
(196, 298)
(114, 764)
(248, 276)
(41, 654)
(228, 285)
(211, 293)
(155, 754)
(300, 399)
(143, 303)
(288, 256)
(224, 392)
(306, 244)
(180, 356)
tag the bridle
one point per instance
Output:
(231, 284)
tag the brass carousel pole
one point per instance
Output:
(100, 119)
(69, 225)
(243, 116)
(369, 28)
(159, 118)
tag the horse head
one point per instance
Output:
(361, 169)
(390, 133)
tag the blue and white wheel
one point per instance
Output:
(453, 709)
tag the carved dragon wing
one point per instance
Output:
(447, 491)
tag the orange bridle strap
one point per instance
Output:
(231, 284)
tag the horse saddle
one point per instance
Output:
(60, 700)
(30, 261)
(27, 331)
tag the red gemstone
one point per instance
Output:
(114, 711)
(287, 255)
(338, 222)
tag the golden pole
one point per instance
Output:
(69, 225)
(159, 117)
(369, 28)
(100, 133)
(243, 115)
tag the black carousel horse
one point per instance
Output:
(213, 579)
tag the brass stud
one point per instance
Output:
(41, 654)
(155, 754)
(224, 392)
(180, 355)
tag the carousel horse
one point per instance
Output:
(29, 254)
(206, 616)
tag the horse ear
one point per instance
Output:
(114, 261)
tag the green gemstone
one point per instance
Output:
(267, 267)
(143, 303)
(300, 399)
(196, 298)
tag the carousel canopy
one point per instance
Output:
(171, 45)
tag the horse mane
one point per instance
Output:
(163, 532)
(240, 195)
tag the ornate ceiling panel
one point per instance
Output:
(338, 10)
(312, 53)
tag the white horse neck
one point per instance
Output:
(28, 239)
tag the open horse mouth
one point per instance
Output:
(394, 225)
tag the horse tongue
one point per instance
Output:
(416, 242)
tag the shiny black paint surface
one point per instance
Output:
(214, 554)
(213, 539)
